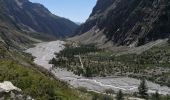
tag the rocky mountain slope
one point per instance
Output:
(33, 17)
(126, 22)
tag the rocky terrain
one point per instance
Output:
(121, 22)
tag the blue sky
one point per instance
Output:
(75, 10)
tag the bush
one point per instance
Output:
(119, 95)
(109, 91)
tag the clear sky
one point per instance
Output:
(75, 10)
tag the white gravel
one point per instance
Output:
(45, 52)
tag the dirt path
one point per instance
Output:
(45, 52)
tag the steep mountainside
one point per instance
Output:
(126, 22)
(34, 17)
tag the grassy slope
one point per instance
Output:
(154, 64)
(35, 83)
(18, 68)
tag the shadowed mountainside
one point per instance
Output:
(34, 17)
(126, 22)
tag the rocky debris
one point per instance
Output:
(44, 52)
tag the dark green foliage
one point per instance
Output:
(143, 89)
(83, 89)
(79, 50)
(101, 97)
(70, 57)
(104, 63)
(156, 96)
(119, 95)
(88, 72)
(109, 91)
(106, 97)
(167, 97)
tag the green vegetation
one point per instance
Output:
(97, 96)
(143, 89)
(109, 91)
(71, 57)
(156, 96)
(119, 95)
(152, 64)
(35, 83)
(17, 67)
(71, 51)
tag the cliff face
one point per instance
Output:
(126, 22)
(34, 17)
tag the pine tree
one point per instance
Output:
(143, 89)
(167, 97)
(119, 95)
(156, 96)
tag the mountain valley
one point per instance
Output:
(121, 44)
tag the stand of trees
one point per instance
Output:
(97, 62)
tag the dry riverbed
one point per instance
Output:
(44, 52)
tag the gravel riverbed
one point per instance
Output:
(44, 52)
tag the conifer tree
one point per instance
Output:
(143, 89)
(157, 96)
(119, 95)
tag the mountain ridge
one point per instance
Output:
(34, 17)
(120, 22)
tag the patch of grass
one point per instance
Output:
(35, 83)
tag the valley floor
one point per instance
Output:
(44, 52)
